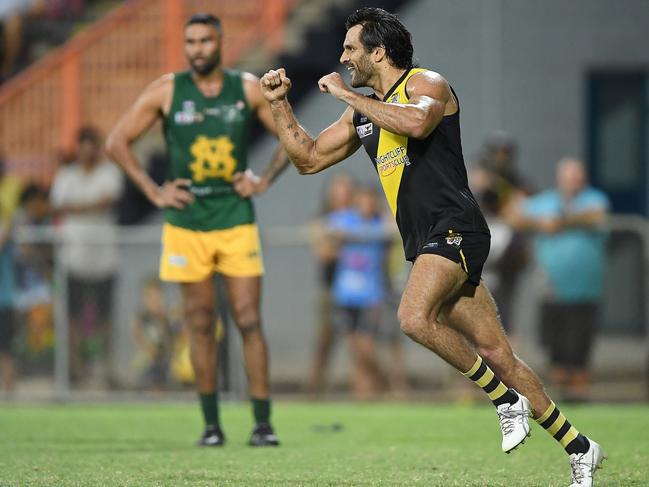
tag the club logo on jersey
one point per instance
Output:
(365, 130)
(212, 158)
(454, 239)
(188, 115)
(388, 162)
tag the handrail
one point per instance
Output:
(93, 77)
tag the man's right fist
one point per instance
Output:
(275, 84)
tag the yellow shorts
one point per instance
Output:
(193, 256)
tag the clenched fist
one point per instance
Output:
(275, 85)
(333, 84)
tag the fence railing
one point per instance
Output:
(290, 297)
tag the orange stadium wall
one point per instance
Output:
(98, 73)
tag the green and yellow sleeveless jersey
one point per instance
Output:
(207, 141)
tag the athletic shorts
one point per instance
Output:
(469, 249)
(355, 319)
(193, 256)
(568, 330)
(7, 330)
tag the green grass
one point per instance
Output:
(385, 444)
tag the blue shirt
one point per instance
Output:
(359, 279)
(7, 277)
(572, 259)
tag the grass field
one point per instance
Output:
(145, 445)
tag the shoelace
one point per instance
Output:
(507, 418)
(577, 466)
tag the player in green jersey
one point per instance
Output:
(209, 217)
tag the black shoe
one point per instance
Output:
(263, 435)
(213, 436)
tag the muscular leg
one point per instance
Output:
(473, 313)
(432, 282)
(245, 303)
(198, 306)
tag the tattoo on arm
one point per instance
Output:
(277, 165)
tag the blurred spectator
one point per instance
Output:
(12, 16)
(338, 196)
(498, 171)
(569, 247)
(34, 264)
(499, 187)
(359, 286)
(31, 28)
(154, 331)
(34, 260)
(508, 255)
(84, 194)
(9, 194)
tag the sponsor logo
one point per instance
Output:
(365, 130)
(188, 115)
(394, 98)
(454, 239)
(431, 245)
(177, 260)
(388, 162)
(363, 119)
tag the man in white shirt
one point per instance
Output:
(84, 194)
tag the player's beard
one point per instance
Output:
(362, 72)
(209, 65)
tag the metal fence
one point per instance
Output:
(290, 317)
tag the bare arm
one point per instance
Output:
(334, 144)
(247, 183)
(151, 104)
(430, 98)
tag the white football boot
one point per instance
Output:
(514, 422)
(584, 465)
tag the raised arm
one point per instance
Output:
(154, 101)
(430, 98)
(334, 144)
(247, 183)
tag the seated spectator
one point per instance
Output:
(154, 331)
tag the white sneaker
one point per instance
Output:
(514, 422)
(584, 465)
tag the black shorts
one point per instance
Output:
(7, 329)
(359, 320)
(97, 294)
(568, 331)
(469, 249)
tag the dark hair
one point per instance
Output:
(89, 133)
(383, 29)
(205, 19)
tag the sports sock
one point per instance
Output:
(210, 408)
(560, 428)
(261, 410)
(485, 378)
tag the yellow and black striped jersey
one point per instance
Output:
(425, 180)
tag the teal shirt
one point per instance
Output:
(573, 259)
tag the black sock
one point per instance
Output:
(484, 377)
(561, 430)
(210, 408)
(261, 409)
